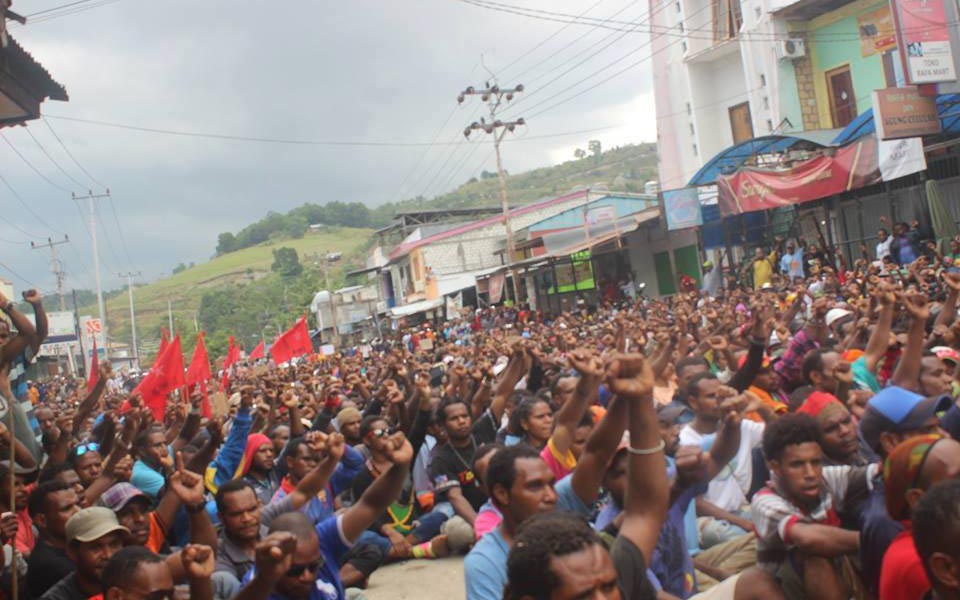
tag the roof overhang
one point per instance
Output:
(24, 85)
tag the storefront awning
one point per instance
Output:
(414, 307)
(732, 158)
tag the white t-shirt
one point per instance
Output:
(883, 248)
(729, 488)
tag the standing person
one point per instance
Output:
(884, 242)
(18, 350)
(762, 267)
(712, 277)
(791, 263)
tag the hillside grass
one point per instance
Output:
(186, 288)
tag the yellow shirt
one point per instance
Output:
(763, 270)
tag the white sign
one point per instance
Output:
(600, 214)
(899, 158)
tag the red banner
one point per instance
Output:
(848, 168)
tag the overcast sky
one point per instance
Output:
(355, 71)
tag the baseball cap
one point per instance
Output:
(835, 314)
(670, 413)
(896, 410)
(946, 353)
(91, 524)
(121, 494)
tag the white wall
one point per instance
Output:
(647, 241)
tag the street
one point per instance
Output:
(419, 580)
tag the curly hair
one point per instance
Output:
(502, 469)
(936, 522)
(540, 539)
(124, 564)
(789, 430)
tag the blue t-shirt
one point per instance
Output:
(485, 568)
(147, 480)
(671, 562)
(332, 549)
(792, 264)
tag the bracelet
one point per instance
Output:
(646, 451)
(8, 307)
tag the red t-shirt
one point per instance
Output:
(902, 576)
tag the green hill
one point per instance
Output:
(237, 292)
(186, 289)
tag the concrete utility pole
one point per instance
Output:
(55, 265)
(91, 199)
(133, 316)
(494, 96)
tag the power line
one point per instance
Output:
(50, 16)
(123, 239)
(240, 138)
(757, 36)
(55, 8)
(47, 154)
(33, 168)
(70, 154)
(28, 208)
(18, 275)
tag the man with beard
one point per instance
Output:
(93, 535)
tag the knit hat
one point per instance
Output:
(902, 469)
(255, 441)
(821, 406)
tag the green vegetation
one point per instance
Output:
(246, 277)
(264, 276)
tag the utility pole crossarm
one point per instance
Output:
(494, 96)
(55, 265)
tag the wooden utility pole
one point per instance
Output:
(495, 96)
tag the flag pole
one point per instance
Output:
(14, 577)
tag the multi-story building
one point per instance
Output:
(727, 71)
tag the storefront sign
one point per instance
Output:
(877, 33)
(682, 208)
(924, 38)
(497, 281)
(751, 189)
(904, 113)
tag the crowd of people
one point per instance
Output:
(792, 439)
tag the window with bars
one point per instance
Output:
(727, 19)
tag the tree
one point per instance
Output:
(286, 262)
(595, 149)
(179, 268)
(579, 153)
(226, 242)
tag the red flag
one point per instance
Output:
(233, 356)
(257, 352)
(164, 341)
(94, 375)
(294, 342)
(165, 376)
(198, 373)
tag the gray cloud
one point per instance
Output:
(359, 70)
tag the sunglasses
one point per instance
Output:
(298, 570)
(88, 447)
(382, 433)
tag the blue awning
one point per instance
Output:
(729, 160)
(948, 107)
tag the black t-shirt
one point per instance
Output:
(45, 567)
(65, 589)
(631, 570)
(453, 467)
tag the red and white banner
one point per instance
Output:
(848, 168)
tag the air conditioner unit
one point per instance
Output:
(791, 48)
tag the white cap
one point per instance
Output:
(835, 314)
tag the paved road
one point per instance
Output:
(440, 579)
